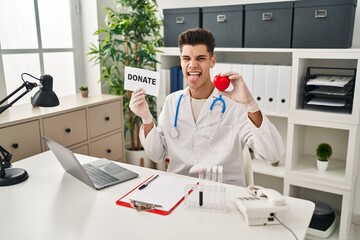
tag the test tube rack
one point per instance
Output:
(207, 197)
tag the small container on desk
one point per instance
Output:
(329, 89)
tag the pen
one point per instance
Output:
(148, 182)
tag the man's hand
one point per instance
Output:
(140, 107)
(240, 93)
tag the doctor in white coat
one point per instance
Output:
(194, 137)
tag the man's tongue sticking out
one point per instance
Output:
(193, 76)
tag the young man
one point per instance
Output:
(192, 136)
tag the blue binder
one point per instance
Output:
(176, 79)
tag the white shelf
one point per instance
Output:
(334, 176)
(262, 167)
(342, 118)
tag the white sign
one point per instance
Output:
(136, 78)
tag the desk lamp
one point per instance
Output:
(45, 97)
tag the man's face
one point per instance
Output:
(196, 62)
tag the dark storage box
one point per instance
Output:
(323, 23)
(268, 25)
(177, 21)
(226, 23)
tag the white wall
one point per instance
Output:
(89, 21)
(92, 8)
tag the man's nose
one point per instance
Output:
(193, 63)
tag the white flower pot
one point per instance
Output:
(322, 165)
(138, 158)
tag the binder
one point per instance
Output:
(248, 75)
(260, 85)
(220, 68)
(176, 79)
(284, 89)
(167, 191)
(271, 88)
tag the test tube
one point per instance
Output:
(201, 190)
(201, 174)
(214, 172)
(220, 173)
(208, 173)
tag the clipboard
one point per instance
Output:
(166, 192)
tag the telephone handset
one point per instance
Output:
(262, 206)
(274, 197)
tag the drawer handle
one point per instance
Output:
(283, 100)
(258, 98)
(320, 13)
(107, 118)
(108, 150)
(271, 99)
(221, 18)
(180, 20)
(68, 130)
(15, 145)
(267, 16)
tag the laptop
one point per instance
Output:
(98, 174)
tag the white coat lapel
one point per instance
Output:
(186, 111)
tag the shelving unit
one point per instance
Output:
(302, 129)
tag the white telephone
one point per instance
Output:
(262, 206)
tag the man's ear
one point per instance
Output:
(213, 61)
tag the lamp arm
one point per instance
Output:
(29, 86)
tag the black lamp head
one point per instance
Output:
(45, 97)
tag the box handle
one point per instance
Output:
(221, 18)
(267, 16)
(320, 13)
(180, 20)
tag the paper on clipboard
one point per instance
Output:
(166, 190)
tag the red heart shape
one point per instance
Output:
(221, 82)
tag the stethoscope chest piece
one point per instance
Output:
(174, 133)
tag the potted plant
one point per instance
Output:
(323, 153)
(84, 91)
(130, 37)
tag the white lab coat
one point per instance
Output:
(193, 150)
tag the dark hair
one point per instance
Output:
(196, 36)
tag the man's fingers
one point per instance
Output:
(138, 100)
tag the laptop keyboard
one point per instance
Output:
(98, 176)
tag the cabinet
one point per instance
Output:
(303, 129)
(91, 126)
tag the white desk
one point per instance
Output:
(53, 205)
